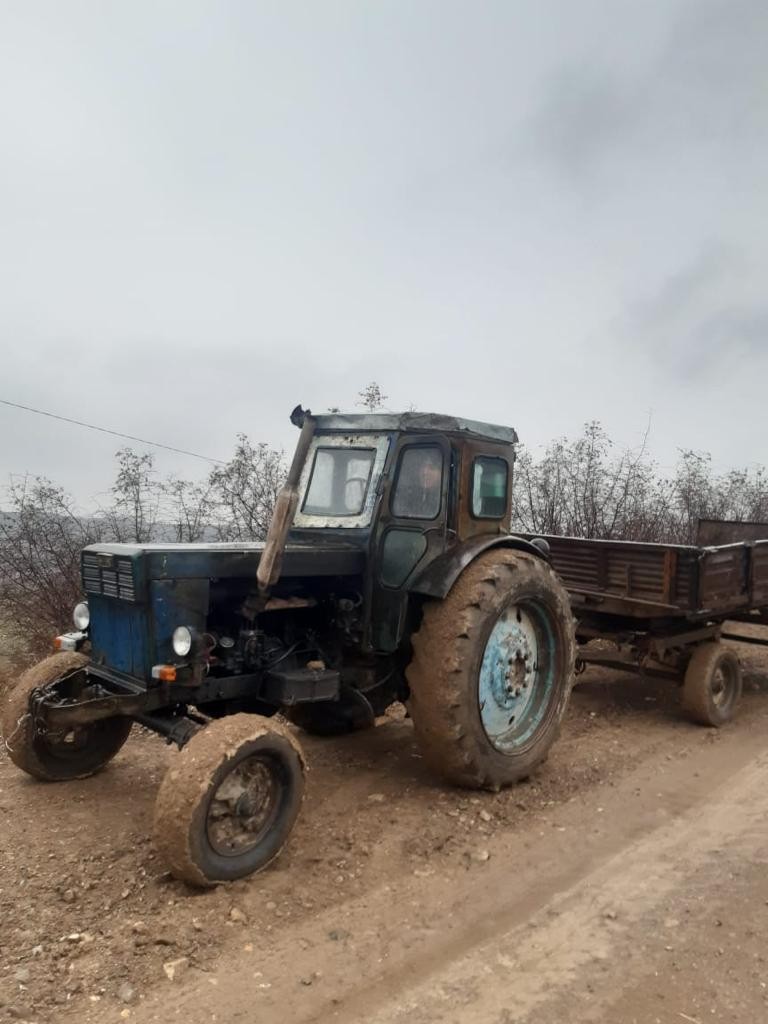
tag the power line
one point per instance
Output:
(114, 433)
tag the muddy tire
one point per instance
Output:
(492, 671)
(712, 686)
(229, 800)
(350, 713)
(57, 756)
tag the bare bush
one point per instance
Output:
(188, 509)
(42, 533)
(41, 537)
(372, 397)
(244, 491)
(586, 488)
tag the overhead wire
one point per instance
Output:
(114, 433)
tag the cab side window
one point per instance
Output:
(489, 487)
(419, 483)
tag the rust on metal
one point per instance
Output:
(712, 532)
(275, 604)
(653, 581)
(268, 571)
(670, 575)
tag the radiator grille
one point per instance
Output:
(113, 578)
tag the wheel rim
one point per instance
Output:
(67, 743)
(516, 676)
(722, 686)
(244, 806)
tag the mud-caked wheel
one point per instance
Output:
(712, 686)
(229, 800)
(62, 754)
(492, 671)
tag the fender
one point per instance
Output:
(439, 576)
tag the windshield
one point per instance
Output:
(339, 481)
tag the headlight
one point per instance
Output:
(182, 641)
(81, 616)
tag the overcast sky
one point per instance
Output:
(534, 212)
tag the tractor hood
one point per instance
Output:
(107, 566)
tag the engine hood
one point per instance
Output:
(227, 561)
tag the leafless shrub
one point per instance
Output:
(244, 491)
(42, 533)
(41, 537)
(372, 397)
(586, 488)
(188, 509)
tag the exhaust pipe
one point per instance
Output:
(268, 572)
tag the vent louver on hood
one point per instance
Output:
(108, 575)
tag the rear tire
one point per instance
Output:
(57, 757)
(712, 686)
(492, 671)
(229, 800)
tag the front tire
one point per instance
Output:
(57, 756)
(228, 803)
(492, 671)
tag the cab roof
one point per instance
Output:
(384, 423)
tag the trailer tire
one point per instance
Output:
(712, 685)
(208, 825)
(57, 757)
(492, 671)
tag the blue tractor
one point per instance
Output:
(388, 573)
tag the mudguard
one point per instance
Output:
(439, 576)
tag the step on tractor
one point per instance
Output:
(388, 574)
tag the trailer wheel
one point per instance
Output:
(229, 800)
(712, 685)
(59, 756)
(492, 671)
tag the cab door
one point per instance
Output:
(413, 528)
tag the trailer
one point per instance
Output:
(661, 609)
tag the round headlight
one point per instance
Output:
(182, 641)
(81, 616)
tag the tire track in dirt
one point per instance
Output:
(496, 941)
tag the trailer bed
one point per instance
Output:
(656, 582)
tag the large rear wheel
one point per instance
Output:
(62, 754)
(492, 671)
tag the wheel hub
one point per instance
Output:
(507, 687)
(243, 807)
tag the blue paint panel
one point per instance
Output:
(120, 636)
(176, 603)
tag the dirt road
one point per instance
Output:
(624, 882)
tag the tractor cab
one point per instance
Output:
(419, 492)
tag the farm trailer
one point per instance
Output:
(664, 608)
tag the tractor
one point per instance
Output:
(388, 573)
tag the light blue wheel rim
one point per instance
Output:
(516, 677)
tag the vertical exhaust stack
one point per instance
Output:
(268, 572)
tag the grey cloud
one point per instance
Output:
(706, 316)
(209, 212)
(706, 84)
